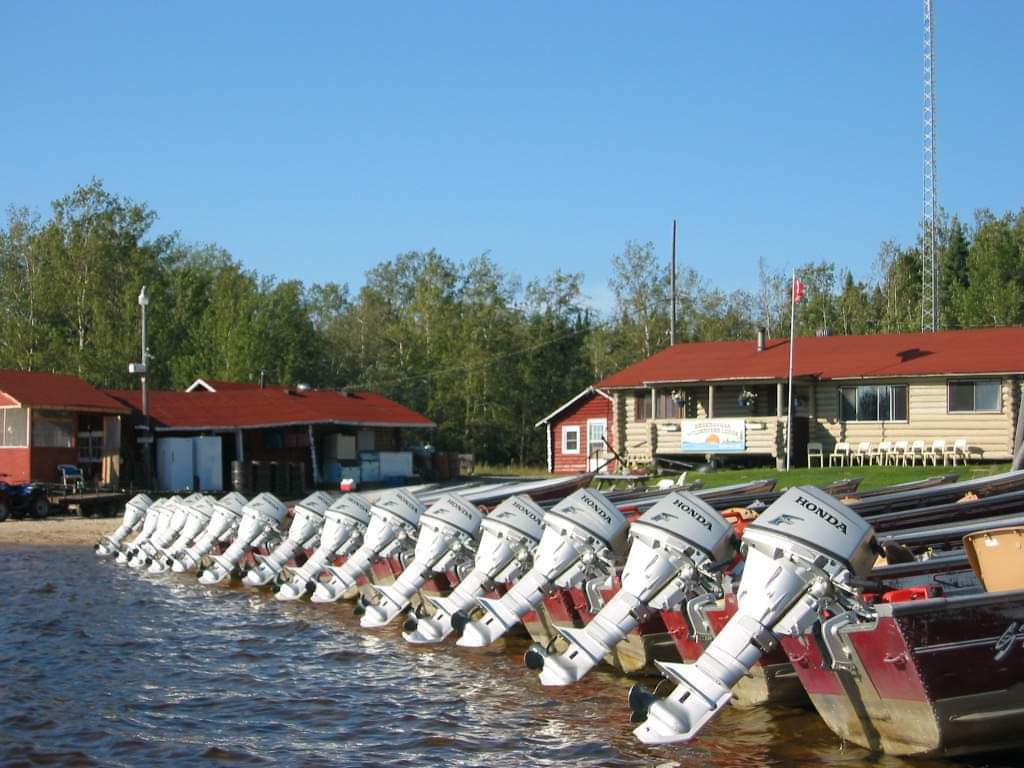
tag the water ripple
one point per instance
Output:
(102, 666)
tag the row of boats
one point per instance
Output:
(867, 604)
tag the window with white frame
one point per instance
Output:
(571, 439)
(13, 427)
(974, 395)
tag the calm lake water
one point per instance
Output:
(100, 665)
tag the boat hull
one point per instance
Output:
(941, 676)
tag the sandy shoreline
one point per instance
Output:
(56, 531)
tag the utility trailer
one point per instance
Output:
(89, 504)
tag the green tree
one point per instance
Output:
(994, 294)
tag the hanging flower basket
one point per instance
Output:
(747, 399)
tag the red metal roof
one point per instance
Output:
(270, 407)
(55, 390)
(975, 351)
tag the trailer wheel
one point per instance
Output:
(3, 511)
(40, 508)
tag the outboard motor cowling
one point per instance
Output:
(345, 523)
(802, 553)
(134, 513)
(394, 521)
(224, 518)
(307, 520)
(510, 535)
(678, 545)
(447, 538)
(583, 536)
(260, 517)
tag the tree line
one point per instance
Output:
(471, 346)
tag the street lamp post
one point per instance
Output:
(142, 369)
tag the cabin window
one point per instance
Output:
(666, 406)
(52, 429)
(570, 439)
(642, 406)
(873, 402)
(13, 427)
(974, 396)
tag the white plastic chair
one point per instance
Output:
(816, 451)
(863, 453)
(958, 450)
(881, 453)
(916, 452)
(936, 451)
(900, 452)
(842, 453)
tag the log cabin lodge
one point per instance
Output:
(728, 400)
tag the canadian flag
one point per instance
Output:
(799, 289)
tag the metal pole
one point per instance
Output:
(930, 299)
(1018, 438)
(143, 302)
(789, 394)
(147, 447)
(672, 323)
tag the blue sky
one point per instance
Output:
(315, 140)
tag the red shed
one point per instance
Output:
(49, 419)
(577, 433)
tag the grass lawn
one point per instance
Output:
(511, 470)
(874, 476)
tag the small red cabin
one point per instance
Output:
(580, 434)
(48, 419)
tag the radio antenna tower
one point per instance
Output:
(929, 256)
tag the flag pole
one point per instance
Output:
(789, 393)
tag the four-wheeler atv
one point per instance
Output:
(23, 499)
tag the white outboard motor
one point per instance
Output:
(223, 524)
(345, 523)
(146, 550)
(510, 535)
(149, 523)
(802, 553)
(583, 536)
(307, 520)
(394, 520)
(678, 545)
(448, 535)
(198, 515)
(169, 528)
(260, 518)
(134, 512)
